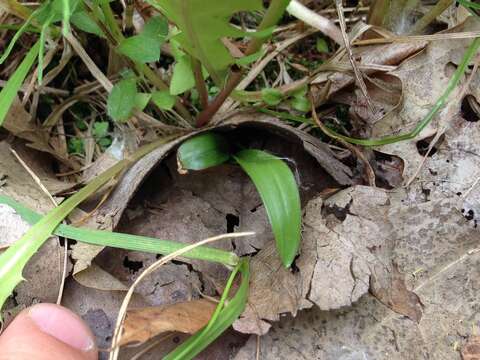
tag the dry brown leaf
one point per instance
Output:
(186, 317)
(471, 350)
(397, 297)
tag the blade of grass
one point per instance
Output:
(278, 189)
(225, 314)
(9, 92)
(452, 84)
(14, 259)
(124, 241)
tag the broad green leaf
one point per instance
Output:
(278, 189)
(156, 27)
(163, 99)
(182, 79)
(9, 92)
(85, 23)
(145, 47)
(142, 49)
(124, 241)
(203, 151)
(272, 96)
(225, 314)
(203, 25)
(121, 100)
(141, 100)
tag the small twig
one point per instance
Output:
(326, 26)
(89, 63)
(358, 74)
(55, 204)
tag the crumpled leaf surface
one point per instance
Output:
(186, 317)
(436, 250)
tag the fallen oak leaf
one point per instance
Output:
(187, 317)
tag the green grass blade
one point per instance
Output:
(225, 314)
(203, 151)
(278, 189)
(124, 241)
(20, 31)
(9, 92)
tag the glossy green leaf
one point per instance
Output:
(9, 92)
(163, 99)
(278, 189)
(121, 100)
(272, 96)
(182, 78)
(203, 151)
(224, 316)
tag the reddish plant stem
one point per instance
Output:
(272, 16)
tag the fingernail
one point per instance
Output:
(63, 325)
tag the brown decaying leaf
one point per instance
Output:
(186, 317)
(398, 298)
(471, 350)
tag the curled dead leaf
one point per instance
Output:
(186, 317)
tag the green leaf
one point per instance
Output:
(121, 100)
(83, 22)
(142, 49)
(141, 100)
(9, 92)
(203, 25)
(100, 129)
(76, 146)
(300, 103)
(272, 96)
(224, 316)
(156, 27)
(182, 79)
(163, 99)
(203, 151)
(247, 60)
(278, 189)
(322, 45)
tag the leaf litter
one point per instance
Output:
(380, 273)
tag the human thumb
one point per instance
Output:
(46, 332)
